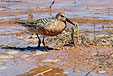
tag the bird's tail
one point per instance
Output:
(25, 24)
(21, 23)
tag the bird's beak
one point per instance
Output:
(70, 21)
(77, 25)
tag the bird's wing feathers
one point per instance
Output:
(40, 23)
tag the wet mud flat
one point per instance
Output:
(19, 56)
(18, 53)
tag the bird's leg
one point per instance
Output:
(39, 41)
(44, 44)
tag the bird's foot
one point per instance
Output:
(38, 47)
(46, 49)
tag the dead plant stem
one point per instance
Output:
(98, 64)
(43, 72)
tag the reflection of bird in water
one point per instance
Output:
(47, 26)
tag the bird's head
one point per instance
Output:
(61, 16)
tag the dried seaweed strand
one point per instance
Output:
(98, 64)
(83, 42)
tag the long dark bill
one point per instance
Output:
(78, 28)
(70, 21)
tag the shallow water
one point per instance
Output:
(27, 61)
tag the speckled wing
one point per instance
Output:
(45, 26)
(41, 26)
(40, 23)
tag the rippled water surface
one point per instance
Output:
(93, 16)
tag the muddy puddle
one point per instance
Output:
(20, 57)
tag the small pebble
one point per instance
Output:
(4, 56)
(3, 67)
(40, 52)
(51, 60)
(1, 63)
(35, 36)
(20, 37)
(24, 56)
(11, 52)
(103, 71)
(66, 72)
(3, 60)
(57, 73)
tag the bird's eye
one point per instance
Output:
(61, 16)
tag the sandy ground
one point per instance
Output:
(18, 53)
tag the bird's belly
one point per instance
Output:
(52, 30)
(31, 30)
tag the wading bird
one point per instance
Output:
(47, 26)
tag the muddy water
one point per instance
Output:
(18, 55)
